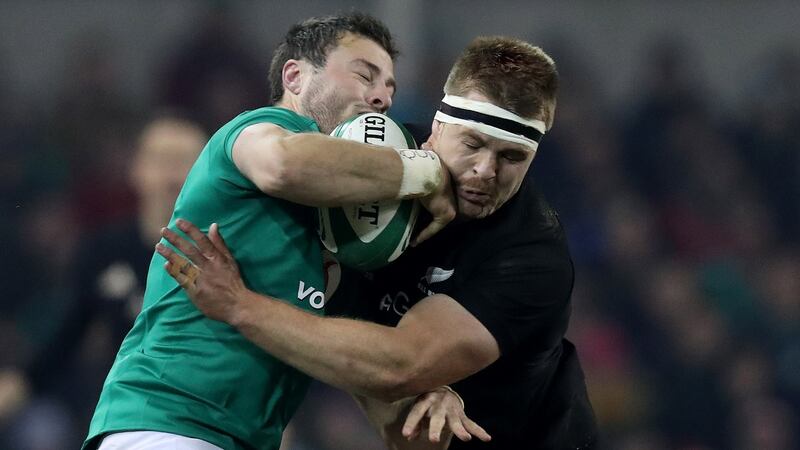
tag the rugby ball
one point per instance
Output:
(370, 235)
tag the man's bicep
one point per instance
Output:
(451, 343)
(256, 152)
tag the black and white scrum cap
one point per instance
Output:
(491, 120)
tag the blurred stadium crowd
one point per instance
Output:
(682, 217)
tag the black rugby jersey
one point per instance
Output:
(513, 272)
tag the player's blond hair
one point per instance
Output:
(512, 73)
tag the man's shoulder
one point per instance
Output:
(282, 117)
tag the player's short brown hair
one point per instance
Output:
(512, 73)
(314, 38)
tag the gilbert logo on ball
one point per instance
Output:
(370, 235)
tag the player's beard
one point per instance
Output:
(468, 210)
(325, 106)
(471, 211)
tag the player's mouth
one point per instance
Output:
(474, 196)
(366, 109)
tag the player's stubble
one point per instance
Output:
(325, 105)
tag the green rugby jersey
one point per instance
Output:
(180, 372)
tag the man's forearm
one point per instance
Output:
(322, 171)
(422, 352)
(359, 357)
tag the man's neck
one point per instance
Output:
(290, 103)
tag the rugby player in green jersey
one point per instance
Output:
(483, 306)
(181, 380)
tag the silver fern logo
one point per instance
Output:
(437, 274)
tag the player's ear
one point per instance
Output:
(292, 76)
(436, 131)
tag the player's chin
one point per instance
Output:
(468, 210)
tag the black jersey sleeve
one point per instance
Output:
(521, 295)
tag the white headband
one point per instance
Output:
(491, 120)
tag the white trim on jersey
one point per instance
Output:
(153, 440)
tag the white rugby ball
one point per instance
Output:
(370, 235)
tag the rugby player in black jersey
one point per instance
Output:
(482, 306)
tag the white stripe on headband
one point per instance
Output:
(492, 110)
(491, 120)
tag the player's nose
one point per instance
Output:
(485, 165)
(381, 99)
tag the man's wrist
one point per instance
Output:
(422, 173)
(448, 388)
(239, 313)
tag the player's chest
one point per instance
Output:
(422, 274)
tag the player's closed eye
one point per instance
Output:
(514, 157)
(367, 78)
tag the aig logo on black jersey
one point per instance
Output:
(399, 303)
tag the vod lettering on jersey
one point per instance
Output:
(316, 298)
